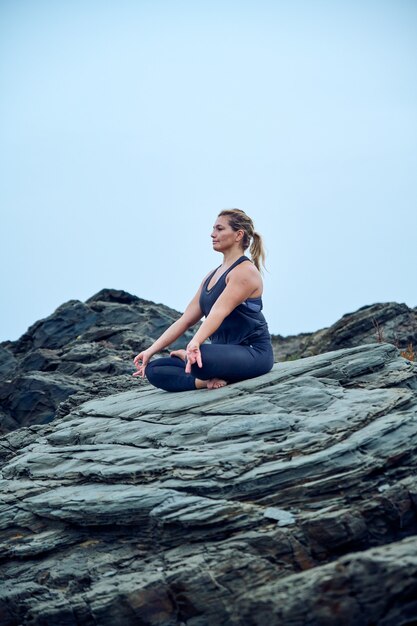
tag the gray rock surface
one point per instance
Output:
(383, 322)
(94, 343)
(286, 499)
(81, 351)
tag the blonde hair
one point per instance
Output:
(238, 220)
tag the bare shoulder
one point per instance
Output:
(249, 274)
(246, 269)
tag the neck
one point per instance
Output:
(230, 256)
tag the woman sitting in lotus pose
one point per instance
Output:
(230, 299)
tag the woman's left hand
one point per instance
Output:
(193, 355)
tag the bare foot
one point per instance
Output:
(181, 353)
(216, 383)
(212, 383)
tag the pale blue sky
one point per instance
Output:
(125, 127)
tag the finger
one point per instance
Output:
(188, 368)
(140, 371)
(199, 359)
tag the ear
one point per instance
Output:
(239, 235)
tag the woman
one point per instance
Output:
(230, 299)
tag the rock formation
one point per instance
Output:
(388, 322)
(85, 350)
(80, 351)
(289, 499)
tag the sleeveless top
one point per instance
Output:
(245, 325)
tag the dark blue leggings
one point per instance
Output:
(227, 361)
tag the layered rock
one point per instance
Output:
(377, 323)
(80, 351)
(85, 350)
(286, 499)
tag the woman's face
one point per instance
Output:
(223, 236)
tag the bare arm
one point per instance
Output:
(242, 284)
(191, 316)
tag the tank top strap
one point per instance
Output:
(222, 278)
(237, 262)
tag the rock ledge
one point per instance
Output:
(286, 499)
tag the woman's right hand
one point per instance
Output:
(141, 361)
(193, 355)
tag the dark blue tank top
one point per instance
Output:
(245, 325)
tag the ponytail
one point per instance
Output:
(257, 251)
(238, 220)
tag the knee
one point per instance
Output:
(197, 372)
(150, 373)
